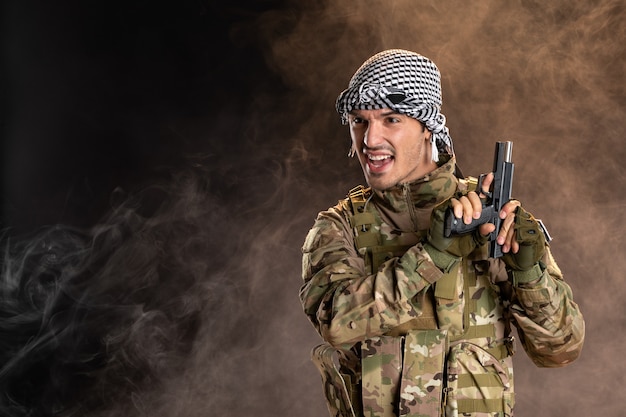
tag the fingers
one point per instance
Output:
(467, 207)
(460, 209)
(470, 206)
(486, 228)
(509, 208)
(508, 242)
(514, 244)
(486, 185)
(476, 206)
(506, 236)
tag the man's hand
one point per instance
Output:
(456, 245)
(520, 235)
(470, 207)
(506, 237)
(523, 240)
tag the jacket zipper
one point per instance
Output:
(406, 190)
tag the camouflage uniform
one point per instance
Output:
(411, 339)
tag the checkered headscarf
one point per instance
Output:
(405, 82)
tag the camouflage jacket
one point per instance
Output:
(372, 293)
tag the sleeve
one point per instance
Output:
(550, 324)
(343, 302)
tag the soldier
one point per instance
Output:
(417, 324)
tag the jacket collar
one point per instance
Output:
(425, 192)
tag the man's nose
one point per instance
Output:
(373, 135)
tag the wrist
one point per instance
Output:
(526, 276)
(442, 260)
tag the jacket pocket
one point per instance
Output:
(404, 376)
(477, 383)
(340, 391)
(422, 382)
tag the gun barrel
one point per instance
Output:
(504, 152)
(508, 151)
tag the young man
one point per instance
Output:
(418, 324)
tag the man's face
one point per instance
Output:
(392, 148)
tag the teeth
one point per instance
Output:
(378, 157)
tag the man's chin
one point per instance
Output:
(379, 182)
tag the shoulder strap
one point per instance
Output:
(360, 219)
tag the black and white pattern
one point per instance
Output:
(404, 81)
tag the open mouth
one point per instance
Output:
(378, 163)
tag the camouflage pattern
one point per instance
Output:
(422, 375)
(368, 280)
(338, 391)
(409, 387)
(382, 371)
(550, 325)
(478, 383)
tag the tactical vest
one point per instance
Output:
(422, 368)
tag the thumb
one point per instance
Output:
(486, 228)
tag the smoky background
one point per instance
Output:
(162, 164)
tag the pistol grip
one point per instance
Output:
(453, 226)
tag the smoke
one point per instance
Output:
(103, 318)
(178, 296)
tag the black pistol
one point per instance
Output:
(500, 195)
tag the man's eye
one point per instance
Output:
(357, 120)
(393, 119)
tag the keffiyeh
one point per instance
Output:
(405, 82)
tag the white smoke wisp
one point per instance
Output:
(96, 322)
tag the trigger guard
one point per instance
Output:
(479, 190)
